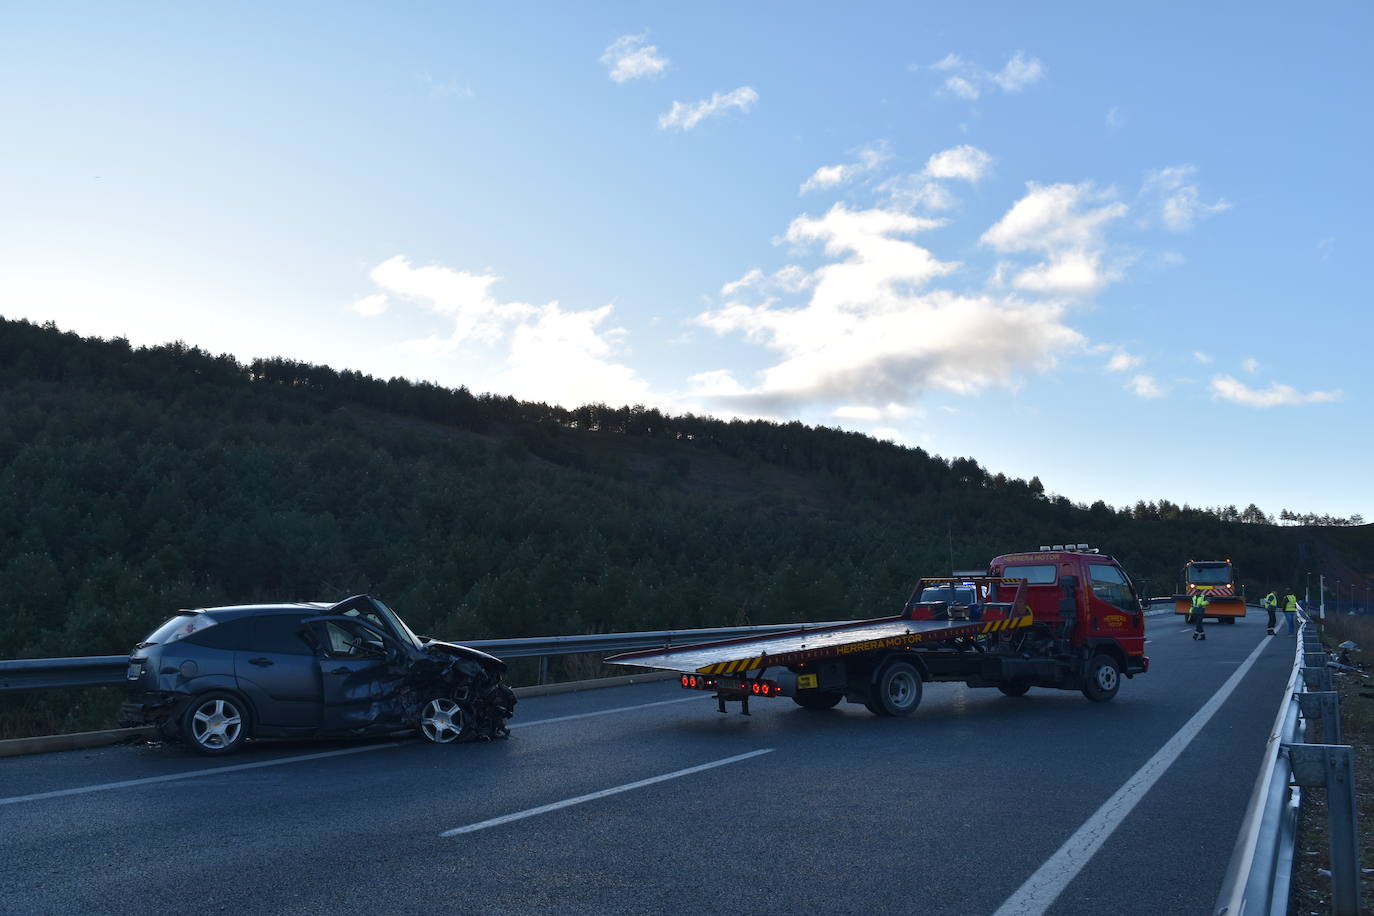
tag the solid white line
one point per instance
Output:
(191, 774)
(569, 802)
(1042, 888)
(601, 712)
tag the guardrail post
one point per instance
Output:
(543, 669)
(1324, 705)
(1317, 678)
(1313, 659)
(1333, 766)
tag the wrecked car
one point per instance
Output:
(217, 677)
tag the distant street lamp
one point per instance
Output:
(1338, 596)
(1307, 591)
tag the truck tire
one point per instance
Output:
(1014, 688)
(818, 699)
(896, 692)
(1101, 678)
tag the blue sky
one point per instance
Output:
(1116, 248)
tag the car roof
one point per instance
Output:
(251, 610)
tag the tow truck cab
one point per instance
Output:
(1085, 595)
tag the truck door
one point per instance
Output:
(1113, 608)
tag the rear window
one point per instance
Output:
(948, 595)
(179, 627)
(1034, 575)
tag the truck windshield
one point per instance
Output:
(1209, 575)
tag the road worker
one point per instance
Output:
(1271, 604)
(1200, 602)
(1290, 610)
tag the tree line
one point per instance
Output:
(135, 481)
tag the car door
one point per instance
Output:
(360, 675)
(277, 668)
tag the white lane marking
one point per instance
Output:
(191, 774)
(1042, 888)
(593, 796)
(601, 712)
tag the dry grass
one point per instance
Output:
(1311, 889)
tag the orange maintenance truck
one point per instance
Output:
(1217, 580)
(1065, 617)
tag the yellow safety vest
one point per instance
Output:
(1292, 604)
(1200, 602)
(1271, 600)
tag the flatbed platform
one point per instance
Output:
(812, 644)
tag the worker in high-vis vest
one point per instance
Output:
(1271, 604)
(1290, 610)
(1200, 602)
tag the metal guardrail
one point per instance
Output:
(110, 670)
(1261, 868)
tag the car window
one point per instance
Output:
(344, 641)
(228, 635)
(278, 633)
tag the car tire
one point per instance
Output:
(1101, 679)
(818, 699)
(216, 723)
(443, 720)
(1014, 688)
(896, 691)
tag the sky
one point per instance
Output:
(1123, 248)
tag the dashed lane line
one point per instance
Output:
(593, 796)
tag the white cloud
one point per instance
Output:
(872, 331)
(1123, 361)
(1064, 222)
(1276, 395)
(544, 352)
(445, 89)
(789, 279)
(1115, 118)
(629, 58)
(891, 411)
(370, 306)
(1054, 216)
(916, 192)
(1145, 386)
(1019, 73)
(1250, 365)
(967, 80)
(685, 116)
(830, 176)
(961, 87)
(966, 162)
(1204, 358)
(1075, 272)
(1172, 193)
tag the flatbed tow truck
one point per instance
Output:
(1063, 617)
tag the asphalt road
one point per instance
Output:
(645, 800)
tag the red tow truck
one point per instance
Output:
(1066, 617)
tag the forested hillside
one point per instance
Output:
(137, 481)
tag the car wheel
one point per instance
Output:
(215, 724)
(897, 691)
(1014, 688)
(1101, 679)
(444, 720)
(818, 699)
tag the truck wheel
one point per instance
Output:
(1101, 679)
(897, 692)
(818, 699)
(1014, 688)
